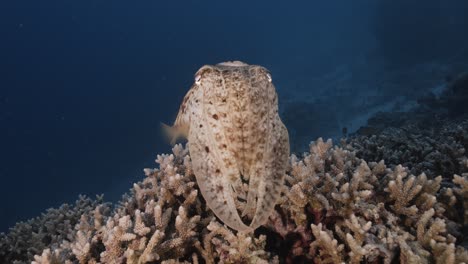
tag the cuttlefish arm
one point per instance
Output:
(213, 164)
(210, 169)
(269, 153)
(272, 178)
(211, 173)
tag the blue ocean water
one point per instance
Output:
(84, 85)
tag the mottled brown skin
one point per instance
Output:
(230, 117)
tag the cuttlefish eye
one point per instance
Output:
(198, 79)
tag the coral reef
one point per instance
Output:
(436, 148)
(368, 212)
(396, 191)
(432, 138)
(31, 237)
(164, 219)
(335, 208)
(453, 99)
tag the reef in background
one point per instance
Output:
(431, 138)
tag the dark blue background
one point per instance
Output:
(85, 84)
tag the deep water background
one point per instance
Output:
(85, 84)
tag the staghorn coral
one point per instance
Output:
(162, 220)
(431, 138)
(31, 237)
(334, 208)
(436, 147)
(462, 191)
(366, 212)
(232, 247)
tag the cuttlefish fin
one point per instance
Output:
(174, 132)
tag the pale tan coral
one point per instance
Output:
(221, 243)
(354, 231)
(402, 191)
(434, 233)
(81, 247)
(358, 195)
(325, 248)
(462, 191)
(359, 189)
(49, 257)
(412, 253)
(461, 255)
(146, 228)
(335, 208)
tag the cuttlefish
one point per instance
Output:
(236, 140)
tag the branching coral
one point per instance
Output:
(31, 237)
(435, 147)
(335, 208)
(462, 191)
(365, 212)
(431, 138)
(162, 220)
(232, 248)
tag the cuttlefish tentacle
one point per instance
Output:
(255, 135)
(216, 191)
(251, 201)
(210, 158)
(222, 170)
(272, 156)
(272, 183)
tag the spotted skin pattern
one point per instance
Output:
(235, 135)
